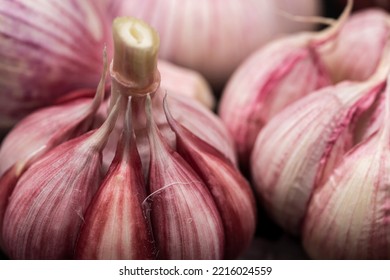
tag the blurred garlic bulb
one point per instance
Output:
(349, 215)
(213, 37)
(300, 146)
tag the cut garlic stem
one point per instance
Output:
(134, 66)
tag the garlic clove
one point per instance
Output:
(310, 137)
(229, 189)
(46, 208)
(115, 226)
(185, 220)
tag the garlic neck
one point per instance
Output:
(134, 67)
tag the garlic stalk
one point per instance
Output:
(348, 216)
(311, 136)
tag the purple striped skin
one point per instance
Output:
(48, 48)
(301, 145)
(115, 226)
(46, 209)
(230, 190)
(184, 218)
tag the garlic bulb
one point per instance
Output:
(348, 216)
(311, 136)
(272, 78)
(359, 46)
(203, 35)
(157, 199)
(48, 49)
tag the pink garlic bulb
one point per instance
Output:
(48, 48)
(157, 199)
(214, 37)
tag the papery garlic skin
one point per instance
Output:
(269, 80)
(349, 216)
(43, 127)
(54, 197)
(115, 226)
(48, 48)
(302, 144)
(46, 208)
(359, 46)
(185, 221)
(230, 190)
(203, 35)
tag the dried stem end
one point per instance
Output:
(134, 67)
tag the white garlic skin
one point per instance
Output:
(213, 37)
(349, 216)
